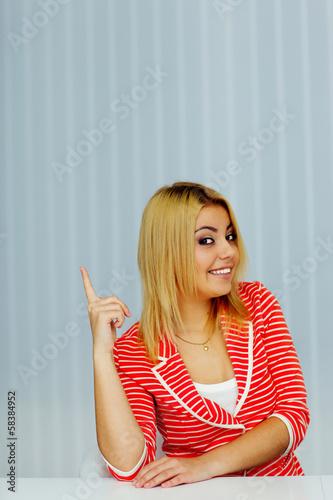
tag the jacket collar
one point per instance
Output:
(173, 375)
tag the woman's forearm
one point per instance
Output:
(265, 442)
(120, 438)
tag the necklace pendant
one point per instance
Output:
(206, 347)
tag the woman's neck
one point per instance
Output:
(194, 314)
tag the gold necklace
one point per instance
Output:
(205, 346)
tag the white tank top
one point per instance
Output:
(225, 393)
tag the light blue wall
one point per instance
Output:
(229, 68)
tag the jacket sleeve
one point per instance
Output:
(143, 407)
(291, 406)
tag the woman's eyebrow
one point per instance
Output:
(211, 228)
(206, 227)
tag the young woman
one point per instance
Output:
(210, 363)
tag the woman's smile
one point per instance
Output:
(224, 272)
(216, 252)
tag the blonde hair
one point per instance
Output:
(167, 263)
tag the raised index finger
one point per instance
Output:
(88, 288)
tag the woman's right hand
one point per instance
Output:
(102, 313)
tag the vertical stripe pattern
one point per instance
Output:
(101, 105)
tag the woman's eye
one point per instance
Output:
(206, 241)
(231, 237)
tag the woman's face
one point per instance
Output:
(216, 252)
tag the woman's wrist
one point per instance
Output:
(213, 465)
(102, 356)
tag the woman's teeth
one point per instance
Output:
(227, 270)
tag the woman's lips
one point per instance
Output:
(224, 273)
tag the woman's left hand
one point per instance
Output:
(171, 471)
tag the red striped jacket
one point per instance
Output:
(269, 379)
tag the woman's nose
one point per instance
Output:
(226, 250)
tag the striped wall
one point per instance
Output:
(101, 104)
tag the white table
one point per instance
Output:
(327, 484)
(229, 488)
